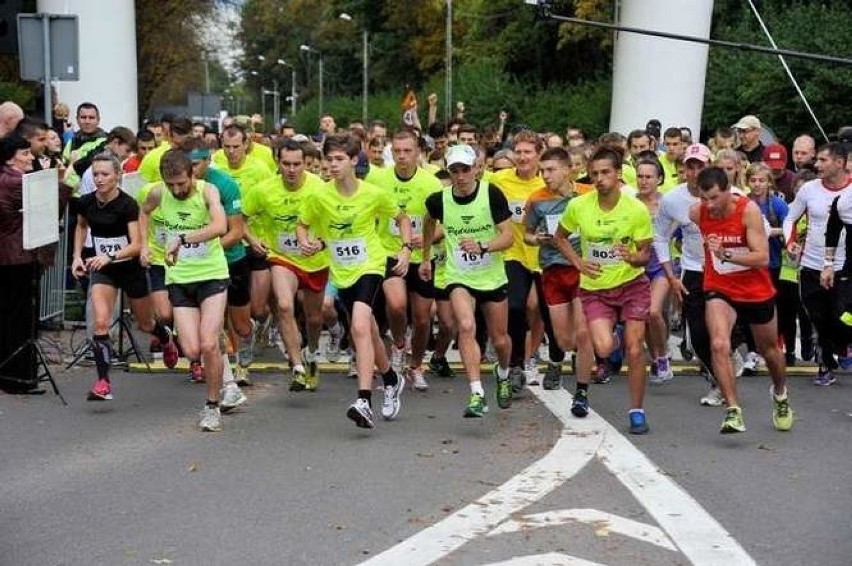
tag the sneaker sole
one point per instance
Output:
(96, 397)
(298, 387)
(471, 415)
(211, 428)
(731, 430)
(229, 408)
(640, 429)
(359, 419)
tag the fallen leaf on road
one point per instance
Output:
(602, 528)
(425, 455)
(193, 466)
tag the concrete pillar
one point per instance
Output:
(108, 75)
(655, 77)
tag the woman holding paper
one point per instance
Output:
(16, 265)
(112, 216)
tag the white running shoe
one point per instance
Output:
(361, 413)
(417, 379)
(531, 373)
(391, 402)
(211, 419)
(713, 398)
(752, 361)
(232, 397)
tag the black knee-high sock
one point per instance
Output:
(103, 355)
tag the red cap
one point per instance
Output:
(775, 156)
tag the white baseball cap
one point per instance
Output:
(461, 153)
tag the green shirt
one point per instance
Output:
(229, 193)
(156, 235)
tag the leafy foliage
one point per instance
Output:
(742, 82)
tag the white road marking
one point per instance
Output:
(696, 534)
(549, 559)
(602, 521)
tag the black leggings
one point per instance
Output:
(824, 309)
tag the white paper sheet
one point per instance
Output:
(41, 208)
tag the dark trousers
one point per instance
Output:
(824, 308)
(520, 283)
(16, 293)
(694, 312)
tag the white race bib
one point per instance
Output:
(288, 243)
(602, 254)
(517, 209)
(467, 260)
(110, 245)
(193, 251)
(723, 267)
(349, 253)
(416, 225)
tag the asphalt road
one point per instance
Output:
(291, 481)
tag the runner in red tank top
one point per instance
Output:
(737, 285)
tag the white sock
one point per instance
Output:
(631, 411)
(476, 388)
(309, 355)
(299, 368)
(502, 373)
(227, 372)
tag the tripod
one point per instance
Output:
(31, 348)
(122, 321)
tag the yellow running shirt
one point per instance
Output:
(347, 225)
(258, 151)
(627, 223)
(149, 169)
(518, 191)
(410, 195)
(274, 213)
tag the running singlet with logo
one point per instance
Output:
(196, 262)
(475, 221)
(347, 225)
(156, 235)
(275, 213)
(518, 192)
(410, 195)
(108, 223)
(737, 282)
(600, 231)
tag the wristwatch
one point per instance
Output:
(727, 255)
(111, 256)
(408, 245)
(182, 238)
(483, 248)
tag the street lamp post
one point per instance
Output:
(310, 49)
(448, 79)
(365, 56)
(293, 95)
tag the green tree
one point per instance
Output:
(741, 83)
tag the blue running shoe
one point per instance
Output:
(638, 423)
(616, 358)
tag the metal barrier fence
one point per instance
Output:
(52, 299)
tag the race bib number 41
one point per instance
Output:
(288, 243)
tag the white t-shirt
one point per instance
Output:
(814, 200)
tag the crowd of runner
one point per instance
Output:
(493, 243)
